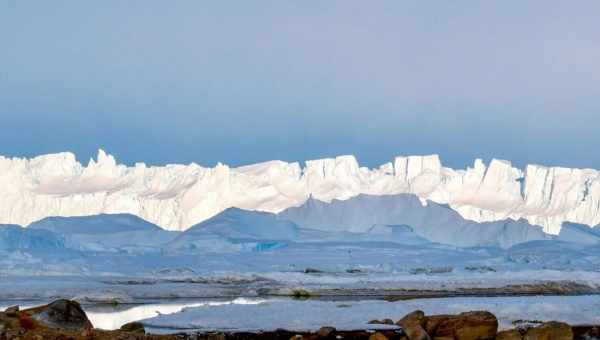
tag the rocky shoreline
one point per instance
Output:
(550, 288)
(65, 319)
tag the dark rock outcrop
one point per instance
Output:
(135, 327)
(64, 314)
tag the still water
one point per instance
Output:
(110, 317)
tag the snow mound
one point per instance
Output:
(579, 233)
(554, 254)
(13, 237)
(225, 232)
(106, 232)
(96, 224)
(238, 223)
(435, 222)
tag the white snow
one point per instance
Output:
(110, 319)
(177, 197)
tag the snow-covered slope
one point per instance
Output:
(216, 233)
(238, 223)
(97, 224)
(14, 237)
(178, 196)
(436, 222)
(579, 233)
(106, 232)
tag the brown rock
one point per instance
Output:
(64, 314)
(378, 336)
(216, 336)
(417, 317)
(413, 325)
(11, 311)
(434, 321)
(512, 334)
(326, 332)
(550, 331)
(469, 326)
(416, 332)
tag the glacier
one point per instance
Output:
(176, 197)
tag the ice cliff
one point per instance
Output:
(178, 196)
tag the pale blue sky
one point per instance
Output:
(246, 81)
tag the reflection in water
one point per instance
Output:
(109, 317)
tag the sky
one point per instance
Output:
(240, 82)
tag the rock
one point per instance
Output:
(312, 271)
(135, 327)
(65, 314)
(216, 336)
(416, 317)
(413, 325)
(11, 311)
(434, 321)
(416, 332)
(378, 336)
(468, 326)
(326, 332)
(296, 337)
(512, 334)
(550, 331)
(381, 322)
(586, 332)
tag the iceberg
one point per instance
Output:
(106, 232)
(177, 197)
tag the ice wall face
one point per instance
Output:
(179, 196)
